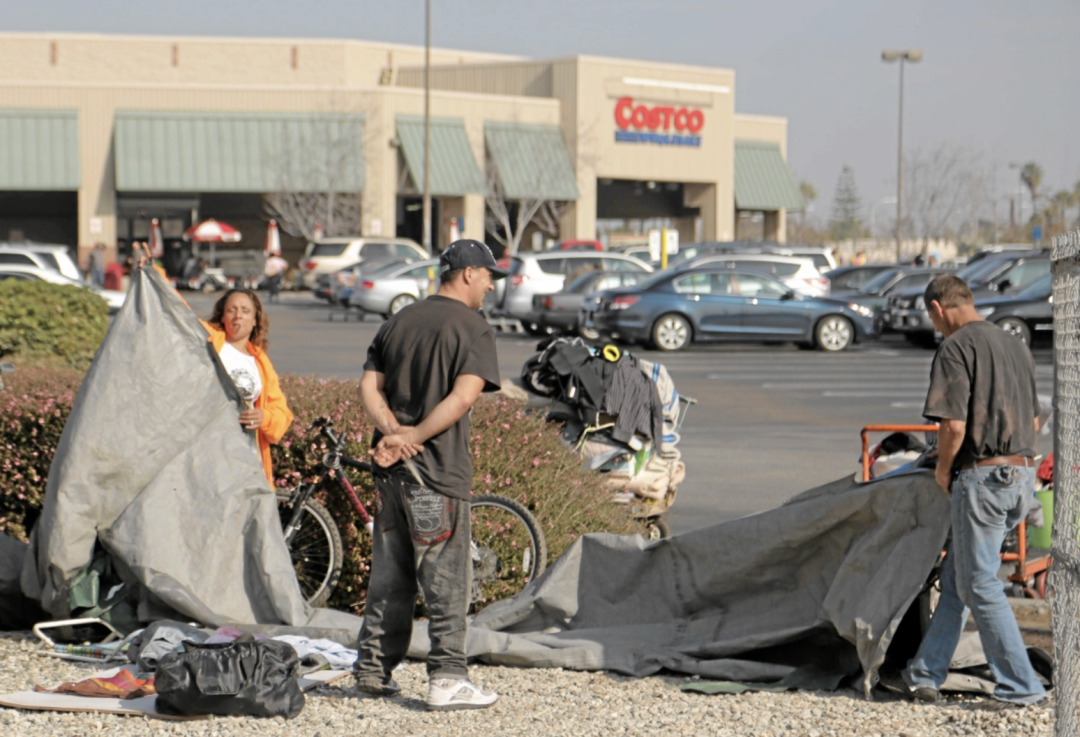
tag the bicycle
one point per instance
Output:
(508, 546)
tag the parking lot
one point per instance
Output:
(771, 421)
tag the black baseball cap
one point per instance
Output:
(466, 252)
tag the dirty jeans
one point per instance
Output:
(399, 565)
(987, 502)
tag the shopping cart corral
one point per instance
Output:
(1029, 575)
(621, 414)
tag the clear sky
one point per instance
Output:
(999, 75)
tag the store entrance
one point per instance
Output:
(410, 220)
(626, 210)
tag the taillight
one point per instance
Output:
(310, 265)
(547, 303)
(367, 284)
(518, 279)
(621, 303)
(819, 282)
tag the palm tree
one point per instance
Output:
(1031, 175)
(1059, 207)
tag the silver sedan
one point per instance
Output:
(394, 287)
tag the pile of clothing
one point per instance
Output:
(620, 413)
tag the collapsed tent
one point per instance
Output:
(154, 470)
(748, 599)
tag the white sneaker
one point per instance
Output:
(450, 694)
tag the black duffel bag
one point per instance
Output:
(236, 678)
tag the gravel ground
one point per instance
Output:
(533, 702)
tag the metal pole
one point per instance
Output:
(427, 127)
(900, 164)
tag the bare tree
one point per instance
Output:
(944, 188)
(506, 220)
(318, 163)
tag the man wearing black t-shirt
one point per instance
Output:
(982, 391)
(426, 367)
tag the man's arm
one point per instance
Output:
(467, 389)
(374, 402)
(950, 437)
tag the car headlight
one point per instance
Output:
(920, 303)
(859, 309)
(985, 311)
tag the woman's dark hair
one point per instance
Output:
(260, 333)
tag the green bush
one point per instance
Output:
(40, 320)
(515, 454)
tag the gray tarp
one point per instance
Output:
(844, 557)
(153, 464)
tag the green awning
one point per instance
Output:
(39, 150)
(763, 180)
(160, 151)
(453, 167)
(531, 161)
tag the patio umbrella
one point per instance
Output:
(157, 243)
(213, 232)
(273, 240)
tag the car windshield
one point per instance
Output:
(1039, 290)
(989, 270)
(385, 268)
(583, 282)
(878, 282)
(646, 284)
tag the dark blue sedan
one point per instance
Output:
(672, 309)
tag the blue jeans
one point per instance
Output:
(987, 502)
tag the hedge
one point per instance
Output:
(515, 454)
(42, 320)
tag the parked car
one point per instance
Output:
(560, 311)
(394, 287)
(822, 258)
(1029, 315)
(989, 251)
(639, 251)
(672, 309)
(114, 298)
(44, 255)
(546, 273)
(341, 282)
(578, 245)
(329, 255)
(875, 293)
(988, 278)
(799, 274)
(852, 278)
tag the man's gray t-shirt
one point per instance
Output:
(985, 377)
(421, 351)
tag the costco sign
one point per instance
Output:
(663, 124)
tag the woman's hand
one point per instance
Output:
(251, 419)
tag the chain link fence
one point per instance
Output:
(1063, 591)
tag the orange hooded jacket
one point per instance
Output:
(277, 417)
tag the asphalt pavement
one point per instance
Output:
(771, 421)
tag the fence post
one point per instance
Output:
(1063, 590)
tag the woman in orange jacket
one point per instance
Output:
(238, 329)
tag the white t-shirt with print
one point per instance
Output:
(244, 372)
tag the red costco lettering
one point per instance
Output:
(661, 117)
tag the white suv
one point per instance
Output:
(798, 274)
(41, 255)
(330, 255)
(545, 273)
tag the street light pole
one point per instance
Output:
(914, 56)
(427, 127)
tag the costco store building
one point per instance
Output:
(99, 134)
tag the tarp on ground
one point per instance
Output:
(844, 559)
(154, 465)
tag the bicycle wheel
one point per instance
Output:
(315, 548)
(508, 548)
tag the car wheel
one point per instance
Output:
(400, 302)
(588, 333)
(1017, 328)
(921, 338)
(672, 333)
(834, 333)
